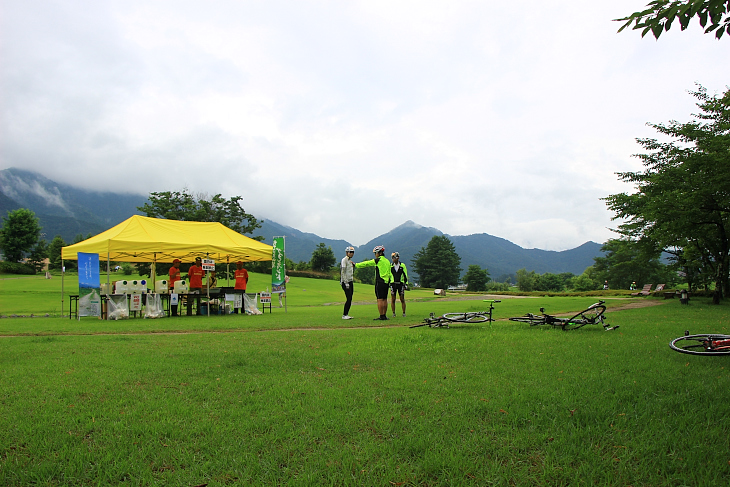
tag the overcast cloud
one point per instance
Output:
(347, 118)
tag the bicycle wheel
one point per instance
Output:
(472, 317)
(532, 320)
(590, 316)
(703, 344)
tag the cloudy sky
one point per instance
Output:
(347, 118)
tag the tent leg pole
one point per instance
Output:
(153, 272)
(63, 274)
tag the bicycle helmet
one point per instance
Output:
(394, 255)
(379, 249)
(349, 249)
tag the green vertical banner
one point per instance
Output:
(89, 285)
(278, 267)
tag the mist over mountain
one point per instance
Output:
(68, 211)
(62, 209)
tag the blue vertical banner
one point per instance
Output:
(89, 285)
(278, 266)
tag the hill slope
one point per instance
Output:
(62, 209)
(68, 211)
(499, 256)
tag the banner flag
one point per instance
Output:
(89, 285)
(278, 267)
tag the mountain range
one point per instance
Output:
(69, 211)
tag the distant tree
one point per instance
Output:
(526, 281)
(365, 275)
(476, 278)
(323, 258)
(183, 206)
(54, 253)
(549, 282)
(38, 255)
(583, 283)
(437, 264)
(713, 15)
(262, 267)
(508, 278)
(566, 277)
(626, 261)
(19, 234)
(498, 286)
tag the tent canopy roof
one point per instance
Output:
(144, 239)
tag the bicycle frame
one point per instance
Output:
(592, 315)
(444, 320)
(541, 319)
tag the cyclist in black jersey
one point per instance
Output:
(400, 281)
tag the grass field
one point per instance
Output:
(303, 398)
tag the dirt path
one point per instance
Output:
(631, 303)
(637, 303)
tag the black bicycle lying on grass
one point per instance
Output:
(703, 344)
(592, 315)
(446, 319)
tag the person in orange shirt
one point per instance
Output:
(195, 278)
(241, 276)
(174, 276)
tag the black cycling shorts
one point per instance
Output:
(397, 287)
(381, 290)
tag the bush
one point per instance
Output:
(583, 283)
(127, 269)
(16, 268)
(497, 286)
(311, 274)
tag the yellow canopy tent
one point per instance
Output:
(144, 239)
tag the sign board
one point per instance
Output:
(278, 269)
(135, 302)
(208, 265)
(265, 298)
(89, 285)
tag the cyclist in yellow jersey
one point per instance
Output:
(383, 278)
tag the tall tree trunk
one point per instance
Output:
(721, 280)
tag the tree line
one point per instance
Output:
(437, 265)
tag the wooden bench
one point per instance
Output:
(645, 291)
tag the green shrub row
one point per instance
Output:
(16, 268)
(310, 274)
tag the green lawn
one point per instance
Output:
(303, 398)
